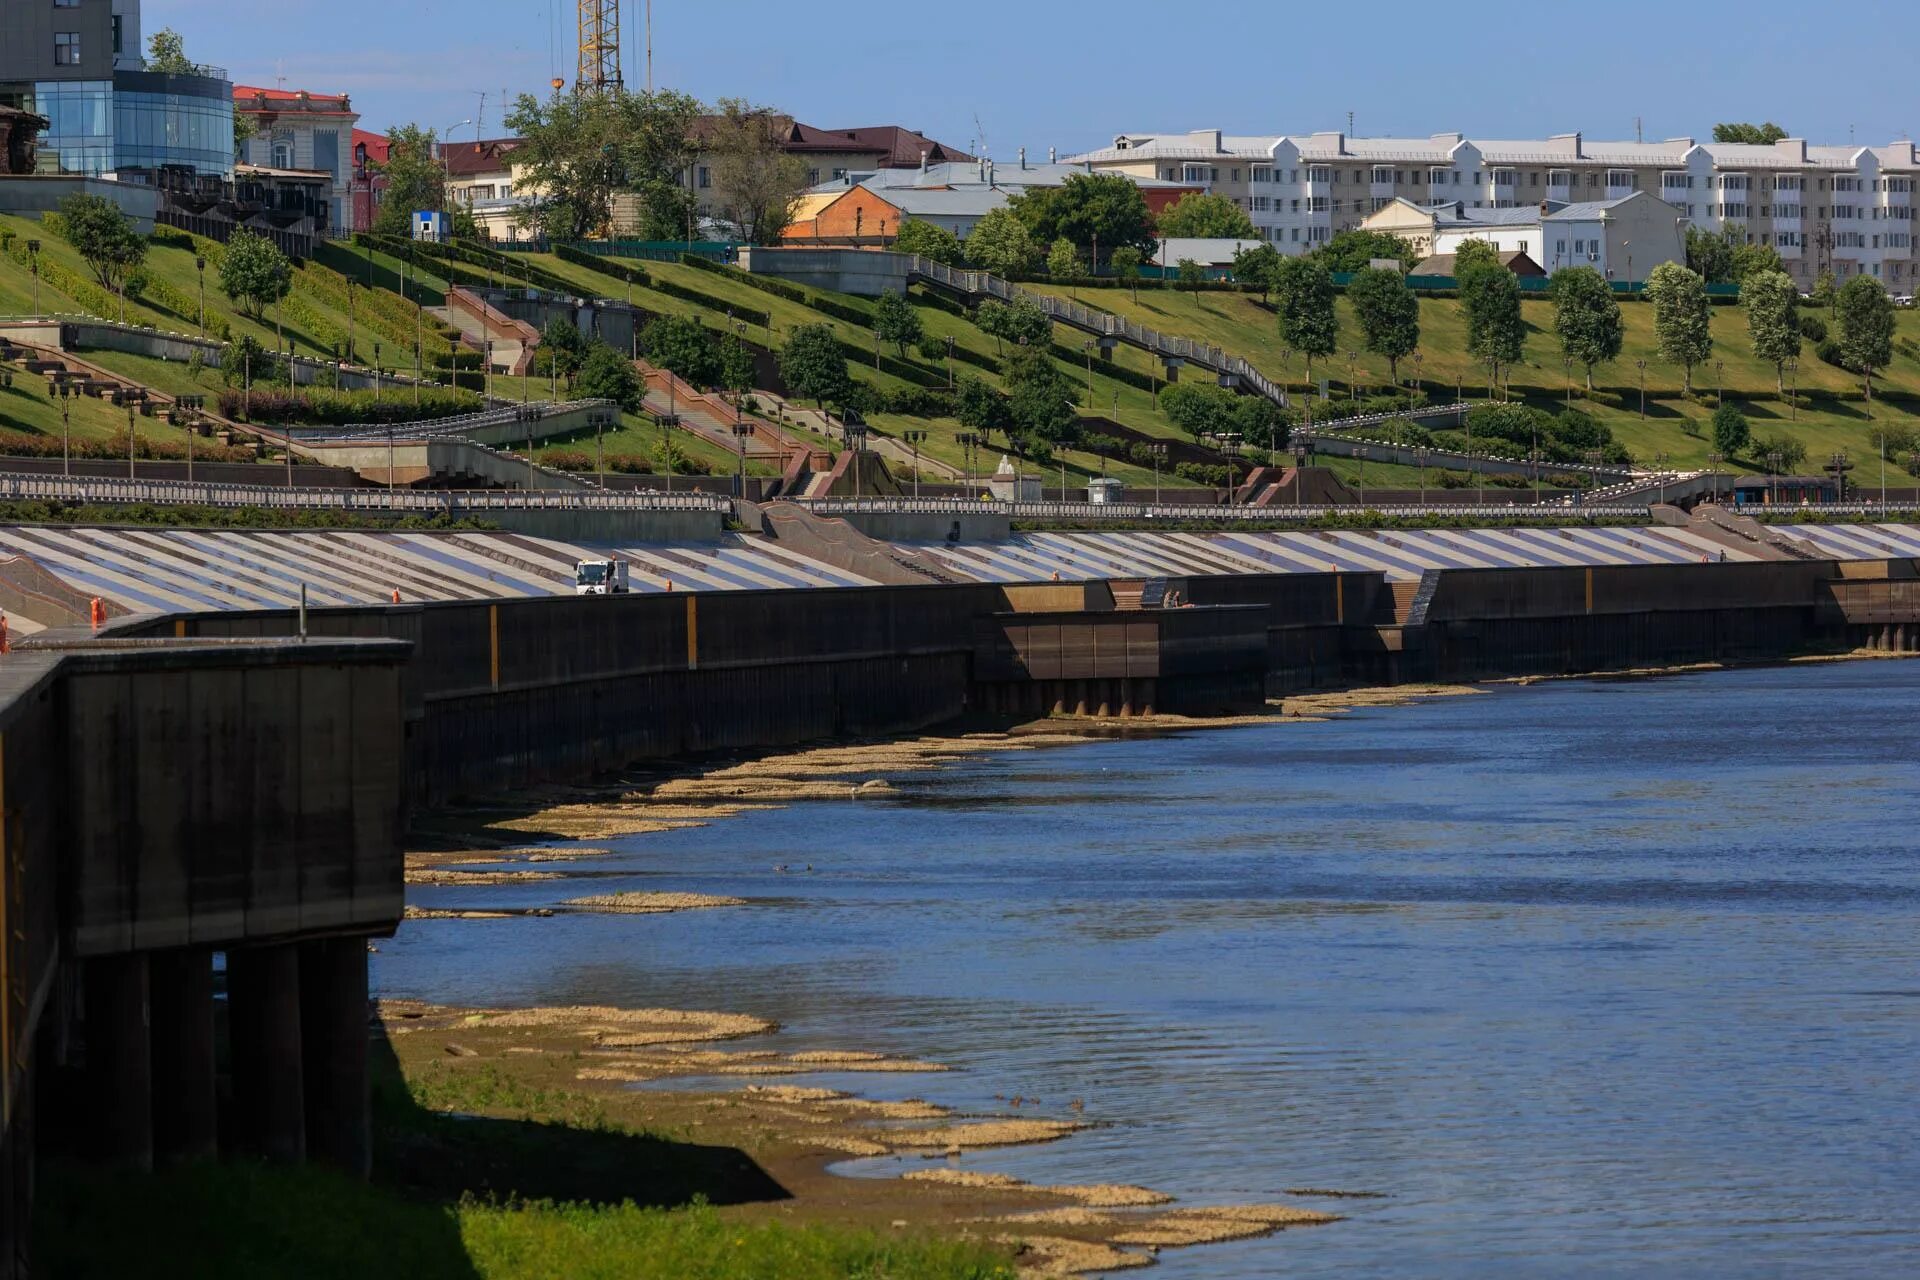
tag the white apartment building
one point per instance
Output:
(1847, 209)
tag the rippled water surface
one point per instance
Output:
(1596, 978)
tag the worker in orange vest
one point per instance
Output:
(396, 595)
(96, 612)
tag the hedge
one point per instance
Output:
(607, 266)
(321, 406)
(765, 284)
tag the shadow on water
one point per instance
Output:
(240, 1220)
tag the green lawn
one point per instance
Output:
(1674, 426)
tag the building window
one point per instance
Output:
(116, 35)
(66, 48)
(813, 177)
(283, 153)
(706, 177)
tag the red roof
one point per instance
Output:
(464, 159)
(247, 97)
(899, 148)
(375, 143)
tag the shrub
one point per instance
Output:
(1812, 327)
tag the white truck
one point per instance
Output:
(600, 577)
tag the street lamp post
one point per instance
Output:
(1660, 465)
(856, 433)
(913, 439)
(33, 263)
(1793, 388)
(1299, 471)
(741, 431)
(1159, 452)
(1641, 365)
(1713, 476)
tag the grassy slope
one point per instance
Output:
(1238, 323)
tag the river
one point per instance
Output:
(1583, 978)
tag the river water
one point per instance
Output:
(1587, 978)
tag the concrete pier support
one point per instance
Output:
(269, 1095)
(120, 1059)
(185, 1124)
(333, 1034)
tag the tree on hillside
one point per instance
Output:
(606, 374)
(1763, 135)
(896, 321)
(1200, 409)
(415, 180)
(1205, 217)
(1731, 435)
(1021, 322)
(980, 407)
(1866, 327)
(1040, 397)
(1303, 296)
(102, 234)
(1355, 250)
(734, 368)
(1825, 293)
(1725, 257)
(1106, 209)
(1681, 321)
(813, 366)
(563, 348)
(1770, 299)
(1586, 317)
(756, 182)
(1257, 264)
(1126, 266)
(934, 243)
(1472, 255)
(1496, 333)
(579, 149)
(1001, 243)
(683, 346)
(1388, 313)
(254, 273)
(167, 53)
(1062, 261)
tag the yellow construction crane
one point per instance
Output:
(599, 45)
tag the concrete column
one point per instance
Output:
(120, 1059)
(333, 1036)
(263, 1004)
(184, 1115)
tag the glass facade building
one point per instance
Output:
(80, 128)
(161, 120)
(137, 120)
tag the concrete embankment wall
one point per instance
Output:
(163, 802)
(517, 692)
(1516, 622)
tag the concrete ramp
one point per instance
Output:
(839, 544)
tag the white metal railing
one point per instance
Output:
(452, 502)
(1192, 511)
(441, 428)
(1101, 323)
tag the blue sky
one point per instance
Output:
(1040, 73)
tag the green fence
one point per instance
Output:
(658, 250)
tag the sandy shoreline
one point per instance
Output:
(795, 1133)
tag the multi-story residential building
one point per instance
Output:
(300, 132)
(1849, 210)
(77, 63)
